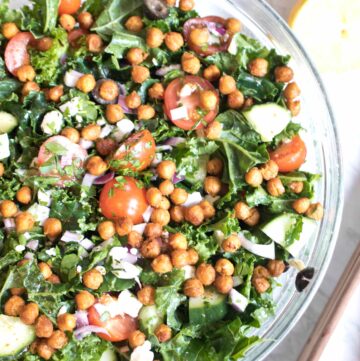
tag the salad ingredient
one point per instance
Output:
(69, 6)
(109, 355)
(238, 301)
(156, 9)
(150, 318)
(303, 278)
(85, 20)
(9, 30)
(7, 122)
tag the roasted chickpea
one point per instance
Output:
(254, 177)
(315, 211)
(123, 226)
(292, 91)
(208, 100)
(54, 279)
(178, 241)
(134, 24)
(146, 112)
(33, 346)
(224, 284)
(140, 73)
(187, 5)
(160, 216)
(106, 230)
(177, 214)
(174, 41)
(91, 132)
(261, 284)
(67, 22)
(163, 333)
(86, 83)
(233, 25)
(224, 267)
(215, 166)
(166, 169)
(154, 38)
(301, 205)
(199, 36)
(95, 165)
(13, 306)
(194, 215)
(17, 291)
(179, 196)
(55, 93)
(166, 187)
(258, 67)
(29, 313)
(28, 87)
(193, 256)
(242, 211)
(105, 146)
(294, 106)
(136, 338)
(2, 171)
(269, 170)
(85, 20)
(94, 43)
(205, 273)
(193, 288)
(135, 239)
(66, 322)
(133, 100)
(150, 248)
(136, 56)
(249, 102)
(254, 217)
(146, 295)
(24, 195)
(227, 84)
(207, 208)
(236, 99)
(114, 113)
(179, 258)
(153, 230)
(44, 44)
(190, 63)
(275, 187)
(84, 300)
(212, 185)
(24, 222)
(9, 30)
(212, 73)
(43, 327)
(57, 340)
(26, 73)
(164, 204)
(153, 196)
(109, 90)
(92, 279)
(261, 271)
(283, 74)
(156, 91)
(72, 134)
(231, 244)
(162, 264)
(44, 350)
(170, 2)
(213, 130)
(296, 187)
(45, 270)
(276, 267)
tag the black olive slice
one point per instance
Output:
(96, 95)
(156, 9)
(303, 278)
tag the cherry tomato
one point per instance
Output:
(16, 53)
(216, 26)
(123, 197)
(174, 100)
(74, 37)
(289, 156)
(69, 6)
(136, 153)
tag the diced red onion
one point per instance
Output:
(166, 69)
(166, 147)
(104, 178)
(86, 144)
(81, 319)
(87, 244)
(262, 250)
(72, 237)
(80, 333)
(88, 180)
(9, 223)
(174, 141)
(71, 77)
(147, 214)
(131, 258)
(238, 301)
(33, 244)
(122, 89)
(29, 255)
(177, 179)
(215, 29)
(193, 199)
(140, 228)
(63, 59)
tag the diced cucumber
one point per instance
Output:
(278, 228)
(7, 122)
(15, 335)
(4, 146)
(268, 120)
(209, 308)
(109, 355)
(200, 174)
(150, 318)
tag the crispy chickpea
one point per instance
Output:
(269, 170)
(135, 239)
(91, 132)
(29, 313)
(261, 271)
(106, 230)
(154, 38)
(109, 90)
(258, 67)
(66, 322)
(150, 248)
(194, 215)
(24, 195)
(26, 73)
(105, 146)
(179, 196)
(207, 208)
(133, 100)
(174, 41)
(9, 30)
(136, 56)
(95, 165)
(43, 327)
(94, 43)
(54, 279)
(224, 284)
(146, 295)
(140, 73)
(177, 214)
(242, 211)
(72, 134)
(233, 25)
(164, 204)
(163, 333)
(261, 284)
(236, 99)
(2, 171)
(45, 270)
(84, 300)
(123, 226)
(199, 36)
(213, 130)
(170, 2)
(249, 102)
(24, 222)
(206, 274)
(294, 106)
(160, 216)
(156, 91)
(17, 291)
(187, 5)
(146, 112)
(296, 187)
(114, 113)
(254, 177)
(92, 279)
(13, 306)
(153, 230)
(283, 74)
(55, 93)
(29, 86)
(179, 258)
(190, 63)
(212, 73)
(215, 166)
(224, 267)
(315, 211)
(276, 267)
(86, 83)
(231, 244)
(162, 264)
(208, 100)
(292, 91)
(301, 205)
(166, 169)
(275, 187)
(44, 350)
(254, 217)
(67, 22)
(178, 241)
(227, 84)
(153, 196)
(44, 44)
(134, 24)
(85, 20)
(33, 346)
(212, 185)
(166, 187)
(193, 288)
(136, 338)
(57, 340)
(193, 256)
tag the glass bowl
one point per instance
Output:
(263, 23)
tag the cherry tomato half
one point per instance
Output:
(291, 155)
(69, 6)
(123, 198)
(173, 100)
(136, 153)
(16, 53)
(216, 26)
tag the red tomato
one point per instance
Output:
(16, 53)
(69, 6)
(136, 153)
(216, 25)
(124, 198)
(291, 155)
(173, 100)
(74, 37)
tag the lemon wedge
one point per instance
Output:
(330, 32)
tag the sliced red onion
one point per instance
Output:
(177, 178)
(125, 108)
(140, 228)
(71, 78)
(81, 319)
(147, 214)
(193, 199)
(72, 237)
(215, 29)
(238, 301)
(29, 255)
(63, 59)
(164, 148)
(157, 160)
(33, 244)
(9, 223)
(80, 333)
(104, 178)
(174, 141)
(88, 180)
(86, 144)
(262, 250)
(122, 89)
(166, 69)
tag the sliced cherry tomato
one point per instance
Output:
(136, 153)
(74, 37)
(69, 6)
(174, 100)
(123, 198)
(216, 26)
(16, 52)
(289, 156)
